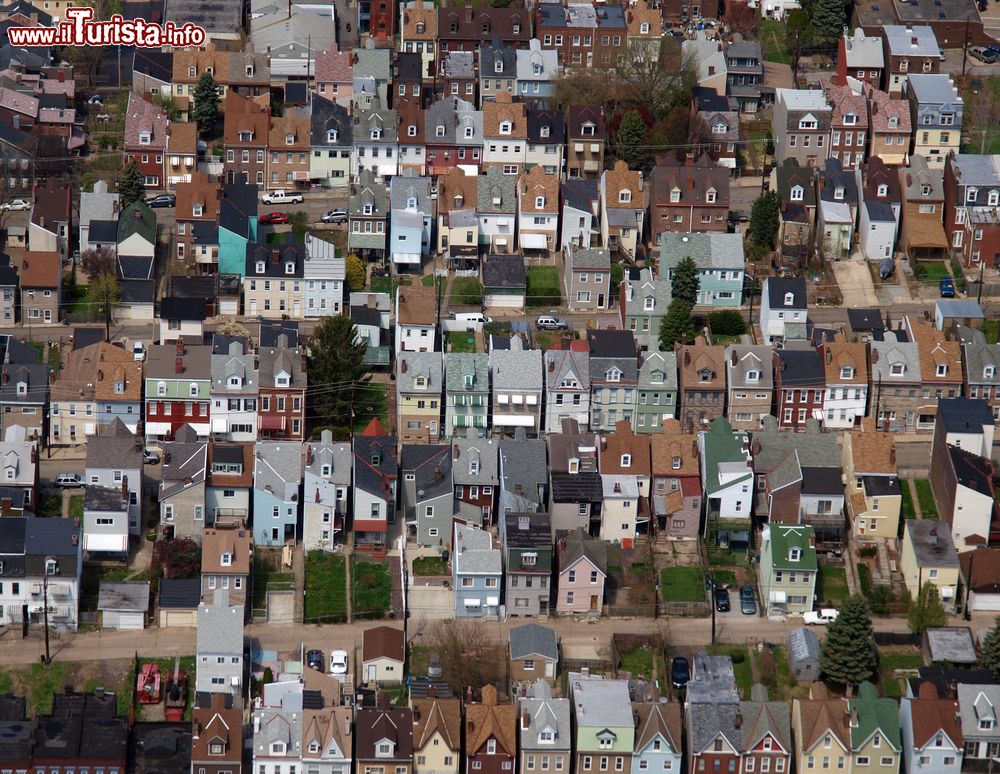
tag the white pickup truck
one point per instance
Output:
(281, 197)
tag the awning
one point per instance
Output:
(514, 420)
(500, 241)
(219, 425)
(89, 429)
(272, 422)
(534, 242)
(779, 596)
(110, 543)
(157, 428)
(472, 603)
(204, 429)
(493, 601)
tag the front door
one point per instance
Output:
(600, 300)
(593, 602)
(371, 673)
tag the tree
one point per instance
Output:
(630, 139)
(741, 18)
(102, 292)
(990, 656)
(764, 219)
(849, 655)
(685, 283)
(356, 274)
(676, 325)
(206, 104)
(727, 322)
(828, 22)
(179, 557)
(926, 610)
(336, 363)
(468, 654)
(97, 261)
(231, 327)
(131, 184)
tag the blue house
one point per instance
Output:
(720, 262)
(410, 225)
(237, 226)
(476, 570)
(657, 738)
(277, 475)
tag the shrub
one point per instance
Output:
(727, 322)
(867, 551)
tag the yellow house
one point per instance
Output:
(821, 733)
(418, 396)
(437, 735)
(873, 490)
(873, 724)
(929, 556)
(936, 104)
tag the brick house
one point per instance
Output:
(217, 735)
(587, 135)
(288, 158)
(908, 49)
(283, 383)
(799, 387)
(197, 208)
(146, 138)
(41, 287)
(848, 125)
(922, 234)
(693, 197)
(702, 384)
(860, 56)
(971, 196)
(247, 125)
(490, 734)
(890, 127)
(465, 28)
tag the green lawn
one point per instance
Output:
(51, 505)
(544, 288)
(831, 586)
(371, 587)
(865, 579)
(430, 565)
(991, 330)
(76, 507)
(890, 662)
(428, 280)
(39, 682)
(419, 656)
(263, 575)
(741, 666)
(930, 271)
(459, 341)
(925, 496)
(906, 509)
(546, 340)
(682, 584)
(384, 285)
(326, 588)
(371, 401)
(638, 662)
(724, 577)
(465, 291)
(774, 38)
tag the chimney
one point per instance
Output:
(403, 366)
(75, 540)
(178, 366)
(309, 455)
(525, 720)
(124, 487)
(552, 366)
(180, 346)
(738, 720)
(829, 356)
(317, 494)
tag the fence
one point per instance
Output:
(685, 609)
(897, 638)
(989, 289)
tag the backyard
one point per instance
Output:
(430, 566)
(774, 39)
(76, 507)
(50, 505)
(465, 291)
(991, 330)
(267, 570)
(682, 584)
(906, 509)
(904, 660)
(544, 288)
(459, 341)
(831, 586)
(742, 668)
(930, 271)
(326, 588)
(371, 402)
(371, 590)
(925, 498)
(639, 662)
(384, 285)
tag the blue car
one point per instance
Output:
(947, 287)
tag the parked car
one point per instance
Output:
(273, 218)
(947, 287)
(547, 323)
(150, 457)
(282, 197)
(69, 480)
(138, 351)
(820, 617)
(748, 606)
(680, 672)
(334, 216)
(314, 660)
(95, 99)
(163, 200)
(722, 599)
(16, 205)
(338, 662)
(471, 317)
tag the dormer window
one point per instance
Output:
(883, 190)
(539, 202)
(192, 72)
(468, 381)
(368, 208)
(411, 203)
(473, 467)
(897, 369)
(498, 65)
(216, 749)
(970, 195)
(516, 29)
(753, 375)
(794, 554)
(383, 749)
(289, 139)
(281, 380)
(439, 130)
(51, 567)
(421, 28)
(925, 190)
(22, 388)
(234, 382)
(993, 198)
(468, 132)
(838, 193)
(942, 369)
(850, 119)
(656, 377)
(847, 372)
(893, 122)
(588, 129)
(710, 196)
(290, 268)
(411, 131)
(314, 747)
(675, 463)
(227, 559)
(145, 137)
(613, 375)
(536, 69)
(648, 303)
(506, 127)
(807, 123)
(376, 134)
(719, 128)
(985, 724)
(797, 193)
(626, 460)
(246, 136)
(546, 736)
(989, 372)
(675, 195)
(644, 28)
(705, 375)
(119, 387)
(261, 266)
(486, 27)
(331, 135)
(376, 460)
(624, 196)
(789, 299)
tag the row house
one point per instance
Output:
(526, 539)
(971, 196)
(796, 187)
(376, 477)
(936, 112)
(880, 210)
(567, 386)
(334, 76)
(860, 56)
(750, 385)
(721, 123)
(228, 483)
(458, 71)
(234, 391)
(516, 378)
(282, 386)
(907, 50)
(623, 209)
(418, 33)
(701, 385)
(326, 487)
(412, 206)
(838, 210)
(745, 75)
(546, 140)
(145, 140)
(197, 211)
(849, 124)
(368, 211)
(418, 396)
(331, 140)
(475, 473)
(614, 377)
(178, 385)
(583, 36)
(457, 222)
(537, 71)
(246, 132)
(272, 280)
(891, 127)
(182, 153)
(676, 495)
(497, 71)
(289, 153)
(468, 28)
(689, 198)
(427, 494)
(453, 131)
(657, 391)
(720, 262)
(181, 496)
(873, 494)
(412, 141)
(505, 135)
(277, 482)
(922, 231)
(576, 491)
(538, 210)
(376, 135)
(586, 139)
(496, 207)
(801, 126)
(605, 727)
(580, 211)
(981, 364)
(40, 279)
(248, 74)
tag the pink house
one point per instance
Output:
(334, 75)
(583, 568)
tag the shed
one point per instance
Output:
(950, 645)
(956, 310)
(803, 655)
(383, 650)
(179, 598)
(504, 281)
(534, 652)
(123, 604)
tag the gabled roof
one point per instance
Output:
(532, 640)
(931, 714)
(437, 716)
(383, 642)
(579, 545)
(489, 719)
(762, 718)
(142, 116)
(373, 725)
(874, 714)
(657, 720)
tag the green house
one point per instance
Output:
(788, 567)
(467, 391)
(237, 226)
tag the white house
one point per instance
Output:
(234, 393)
(323, 275)
(383, 652)
(416, 319)
(621, 508)
(726, 472)
(326, 486)
(580, 209)
(784, 308)
(114, 461)
(877, 230)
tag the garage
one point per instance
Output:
(123, 604)
(178, 602)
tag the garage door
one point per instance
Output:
(130, 622)
(177, 618)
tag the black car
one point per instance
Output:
(680, 672)
(722, 600)
(163, 200)
(314, 659)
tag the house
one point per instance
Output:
(418, 33)
(246, 133)
(965, 423)
(714, 738)
(838, 211)
(114, 461)
(458, 71)
(676, 483)
(72, 420)
(583, 563)
(325, 492)
(497, 70)
(234, 392)
(220, 647)
(580, 210)
(504, 282)
(412, 140)
(875, 732)
(83, 728)
(940, 368)
(922, 233)
(576, 490)
(416, 319)
(874, 498)
(412, 215)
(801, 126)
(890, 127)
(587, 277)
(849, 123)
(36, 551)
(376, 472)
(623, 209)
(136, 231)
(219, 722)
(860, 56)
(179, 377)
(145, 140)
(505, 133)
(331, 135)
(123, 605)
(276, 496)
(799, 387)
(804, 654)
(614, 376)
(574, 33)
(546, 140)
(765, 727)
(229, 482)
(290, 142)
(567, 386)
(709, 58)
(784, 309)
(657, 737)
(181, 496)
(605, 728)
(368, 208)
(977, 705)
(277, 732)
(847, 379)
(701, 384)
(720, 262)
(376, 135)
(544, 729)
(454, 128)
(971, 194)
(522, 474)
(457, 222)
(178, 602)
(688, 198)
(418, 396)
(536, 73)
(797, 188)
(490, 733)
(496, 208)
(51, 218)
(981, 362)
(586, 138)
(464, 29)
(40, 278)
(383, 652)
(96, 206)
(476, 572)
(9, 287)
(427, 492)
(932, 738)
(727, 477)
(538, 210)
(964, 492)
(723, 124)
(534, 657)
(182, 153)
(467, 391)
(526, 540)
(657, 391)
(516, 377)
(908, 49)
(283, 382)
(437, 734)
(226, 560)
(821, 732)
(643, 302)
(787, 568)
(750, 383)
(182, 318)
(272, 281)
(237, 226)
(248, 74)
(475, 475)
(936, 114)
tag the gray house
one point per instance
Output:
(427, 492)
(182, 488)
(497, 70)
(534, 654)
(105, 523)
(114, 460)
(220, 646)
(517, 389)
(577, 492)
(368, 208)
(526, 539)
(476, 570)
(467, 391)
(524, 477)
(657, 391)
(475, 475)
(587, 277)
(644, 304)
(545, 726)
(326, 486)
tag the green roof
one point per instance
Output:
(137, 218)
(874, 714)
(786, 537)
(378, 356)
(722, 445)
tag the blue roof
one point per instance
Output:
(960, 308)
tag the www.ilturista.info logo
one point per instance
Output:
(79, 29)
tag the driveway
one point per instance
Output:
(855, 282)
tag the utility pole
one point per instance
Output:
(45, 609)
(878, 402)
(979, 295)
(107, 311)
(753, 333)
(965, 47)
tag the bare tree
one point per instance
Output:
(99, 260)
(469, 655)
(982, 113)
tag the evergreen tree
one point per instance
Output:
(828, 22)
(336, 366)
(849, 654)
(206, 104)
(630, 139)
(131, 184)
(926, 610)
(990, 656)
(675, 325)
(684, 284)
(764, 219)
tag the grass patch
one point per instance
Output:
(266, 572)
(741, 666)
(465, 291)
(930, 271)
(890, 662)
(460, 341)
(724, 578)
(906, 509)
(682, 584)
(427, 280)
(371, 585)
(430, 565)
(39, 682)
(638, 662)
(544, 288)
(831, 585)
(47, 354)
(774, 38)
(419, 658)
(991, 330)
(925, 496)
(384, 285)
(326, 588)
(76, 507)
(51, 505)
(372, 402)
(865, 579)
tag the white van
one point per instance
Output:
(471, 317)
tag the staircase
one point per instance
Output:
(883, 577)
